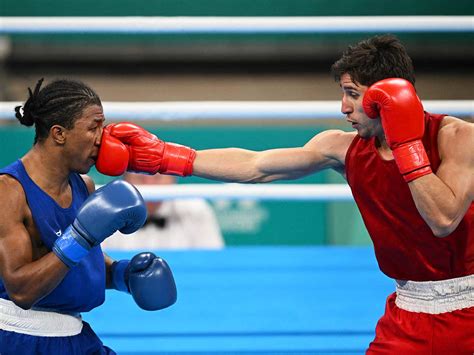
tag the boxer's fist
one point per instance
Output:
(148, 279)
(147, 153)
(115, 206)
(396, 103)
(113, 155)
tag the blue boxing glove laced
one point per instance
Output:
(115, 206)
(148, 278)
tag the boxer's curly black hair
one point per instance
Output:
(374, 59)
(60, 102)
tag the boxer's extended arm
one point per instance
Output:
(27, 277)
(325, 150)
(444, 198)
(147, 153)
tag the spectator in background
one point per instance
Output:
(173, 224)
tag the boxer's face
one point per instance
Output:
(84, 139)
(351, 106)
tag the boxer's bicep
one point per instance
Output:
(15, 241)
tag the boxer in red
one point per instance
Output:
(412, 176)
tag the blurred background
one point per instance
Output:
(307, 298)
(198, 67)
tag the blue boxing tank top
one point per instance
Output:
(83, 287)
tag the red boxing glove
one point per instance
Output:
(113, 155)
(403, 122)
(149, 154)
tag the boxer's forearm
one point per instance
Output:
(441, 207)
(443, 198)
(240, 165)
(108, 270)
(30, 283)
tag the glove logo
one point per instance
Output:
(59, 233)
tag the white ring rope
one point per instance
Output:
(269, 192)
(186, 25)
(248, 110)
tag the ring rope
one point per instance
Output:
(249, 110)
(269, 192)
(229, 24)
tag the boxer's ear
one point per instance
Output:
(58, 133)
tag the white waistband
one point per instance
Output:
(435, 297)
(37, 323)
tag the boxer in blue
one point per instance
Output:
(52, 223)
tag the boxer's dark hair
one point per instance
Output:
(60, 102)
(374, 59)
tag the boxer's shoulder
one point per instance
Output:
(336, 143)
(89, 183)
(15, 211)
(12, 194)
(454, 132)
(451, 124)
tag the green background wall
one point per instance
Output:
(232, 7)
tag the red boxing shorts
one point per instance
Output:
(432, 318)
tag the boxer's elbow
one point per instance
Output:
(443, 227)
(441, 232)
(20, 295)
(21, 300)
(444, 219)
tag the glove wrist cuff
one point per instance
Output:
(119, 275)
(412, 160)
(71, 247)
(177, 160)
(417, 174)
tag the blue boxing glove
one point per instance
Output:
(148, 278)
(115, 206)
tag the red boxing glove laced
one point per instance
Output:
(402, 116)
(149, 154)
